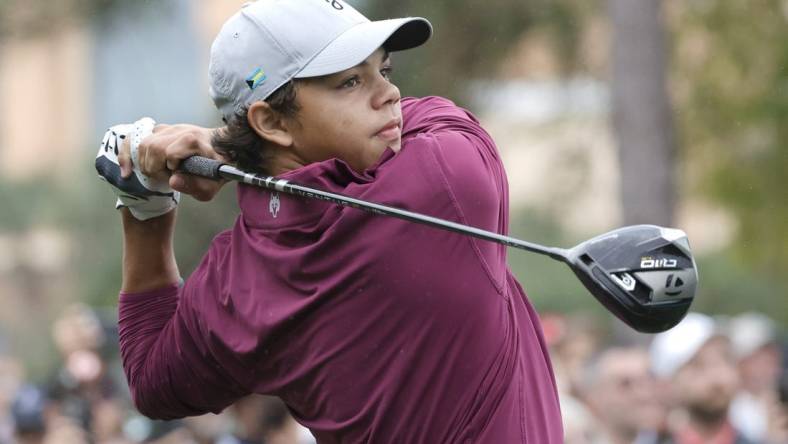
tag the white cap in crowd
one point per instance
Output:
(674, 348)
(270, 42)
(751, 331)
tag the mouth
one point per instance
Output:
(391, 131)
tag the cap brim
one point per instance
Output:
(360, 41)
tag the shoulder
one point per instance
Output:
(431, 114)
(441, 117)
(453, 134)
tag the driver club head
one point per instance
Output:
(643, 274)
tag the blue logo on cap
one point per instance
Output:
(256, 78)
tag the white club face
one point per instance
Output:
(670, 285)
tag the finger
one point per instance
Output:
(187, 145)
(198, 187)
(160, 127)
(124, 159)
(152, 157)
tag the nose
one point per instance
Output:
(387, 94)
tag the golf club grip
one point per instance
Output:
(201, 166)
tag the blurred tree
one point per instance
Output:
(471, 39)
(641, 112)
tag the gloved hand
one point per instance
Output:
(145, 197)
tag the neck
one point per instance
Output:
(286, 160)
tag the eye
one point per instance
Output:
(386, 72)
(351, 82)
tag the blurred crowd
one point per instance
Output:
(86, 400)
(708, 380)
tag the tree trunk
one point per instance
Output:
(641, 112)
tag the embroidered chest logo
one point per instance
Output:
(274, 205)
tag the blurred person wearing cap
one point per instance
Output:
(620, 391)
(28, 412)
(368, 328)
(696, 365)
(754, 337)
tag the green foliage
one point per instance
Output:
(728, 287)
(731, 71)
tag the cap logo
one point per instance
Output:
(256, 78)
(336, 4)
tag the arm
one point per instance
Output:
(171, 367)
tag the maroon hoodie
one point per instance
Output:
(371, 329)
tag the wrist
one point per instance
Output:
(148, 256)
(158, 227)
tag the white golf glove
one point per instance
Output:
(144, 197)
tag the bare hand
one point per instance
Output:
(161, 153)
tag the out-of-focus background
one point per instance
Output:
(606, 113)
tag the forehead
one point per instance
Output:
(717, 346)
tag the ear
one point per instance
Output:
(268, 124)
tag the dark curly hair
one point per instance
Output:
(240, 144)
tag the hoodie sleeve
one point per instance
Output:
(171, 370)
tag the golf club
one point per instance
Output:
(644, 274)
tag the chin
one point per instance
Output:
(396, 146)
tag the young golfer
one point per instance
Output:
(371, 329)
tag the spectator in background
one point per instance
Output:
(205, 429)
(580, 426)
(778, 432)
(572, 340)
(11, 377)
(82, 392)
(264, 419)
(755, 344)
(619, 389)
(696, 359)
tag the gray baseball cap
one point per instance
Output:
(269, 42)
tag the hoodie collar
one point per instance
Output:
(263, 208)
